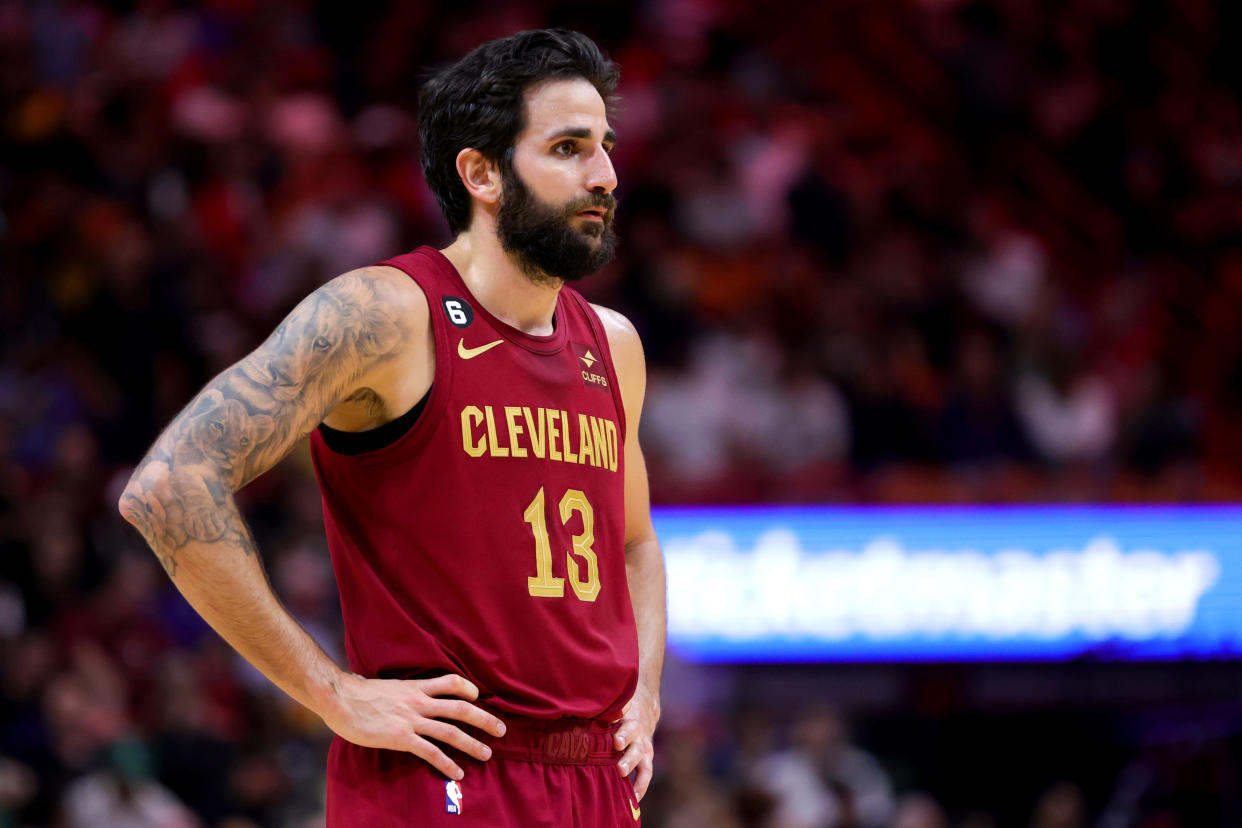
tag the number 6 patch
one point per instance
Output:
(459, 311)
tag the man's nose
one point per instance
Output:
(603, 176)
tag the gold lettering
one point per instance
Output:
(612, 444)
(511, 415)
(497, 450)
(549, 433)
(471, 417)
(554, 431)
(598, 379)
(585, 453)
(600, 435)
(538, 441)
(570, 457)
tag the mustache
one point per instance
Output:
(603, 201)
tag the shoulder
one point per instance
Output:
(372, 300)
(361, 319)
(623, 339)
(382, 284)
(378, 317)
(627, 359)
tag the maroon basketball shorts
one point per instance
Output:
(543, 774)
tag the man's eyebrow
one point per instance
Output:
(610, 137)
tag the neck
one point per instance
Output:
(498, 282)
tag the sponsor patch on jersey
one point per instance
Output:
(452, 797)
(591, 366)
(458, 311)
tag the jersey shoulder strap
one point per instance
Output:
(578, 301)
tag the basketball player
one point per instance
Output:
(473, 423)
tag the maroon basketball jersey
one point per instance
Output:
(488, 540)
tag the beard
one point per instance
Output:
(541, 237)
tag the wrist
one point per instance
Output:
(652, 699)
(327, 696)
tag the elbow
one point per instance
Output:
(644, 549)
(138, 512)
(132, 505)
(139, 503)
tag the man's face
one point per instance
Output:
(557, 207)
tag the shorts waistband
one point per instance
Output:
(554, 741)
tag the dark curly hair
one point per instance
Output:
(479, 102)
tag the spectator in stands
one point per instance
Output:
(823, 779)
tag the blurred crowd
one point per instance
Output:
(905, 251)
(942, 251)
(808, 770)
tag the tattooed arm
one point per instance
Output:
(342, 339)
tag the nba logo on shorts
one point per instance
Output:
(452, 797)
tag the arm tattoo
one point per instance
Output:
(369, 400)
(251, 416)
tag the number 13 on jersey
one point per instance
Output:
(546, 585)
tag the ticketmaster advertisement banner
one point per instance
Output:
(967, 584)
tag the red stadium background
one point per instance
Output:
(879, 252)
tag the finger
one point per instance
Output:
(625, 734)
(630, 759)
(466, 712)
(645, 769)
(627, 707)
(450, 735)
(448, 685)
(435, 757)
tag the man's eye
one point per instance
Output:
(565, 148)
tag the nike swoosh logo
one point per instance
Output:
(471, 353)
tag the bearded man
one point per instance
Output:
(474, 427)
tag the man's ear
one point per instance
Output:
(480, 176)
